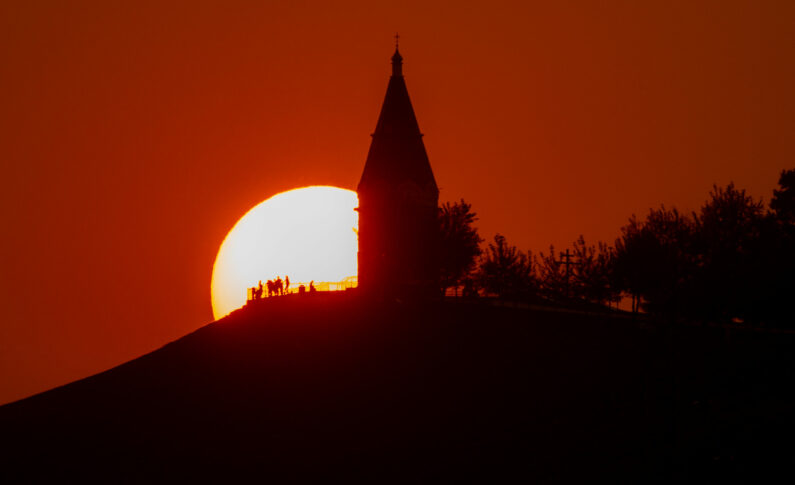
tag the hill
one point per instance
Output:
(313, 387)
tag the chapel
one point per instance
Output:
(398, 201)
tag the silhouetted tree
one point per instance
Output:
(778, 255)
(633, 251)
(672, 261)
(728, 243)
(652, 260)
(728, 261)
(589, 275)
(592, 280)
(551, 275)
(783, 202)
(506, 271)
(459, 243)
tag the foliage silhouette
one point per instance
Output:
(652, 257)
(505, 271)
(779, 253)
(592, 276)
(783, 202)
(727, 240)
(459, 243)
(550, 275)
(731, 261)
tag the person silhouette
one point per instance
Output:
(278, 285)
(270, 288)
(286, 284)
(312, 288)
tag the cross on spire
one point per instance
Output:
(397, 40)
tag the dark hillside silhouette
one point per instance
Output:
(332, 389)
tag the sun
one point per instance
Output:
(307, 234)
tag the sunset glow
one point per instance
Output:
(306, 234)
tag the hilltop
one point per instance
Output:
(327, 386)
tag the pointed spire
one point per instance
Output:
(398, 202)
(397, 152)
(397, 59)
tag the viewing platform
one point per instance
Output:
(260, 293)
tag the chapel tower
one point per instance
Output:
(398, 200)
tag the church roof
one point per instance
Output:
(397, 153)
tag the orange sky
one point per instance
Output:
(132, 138)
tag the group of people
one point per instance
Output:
(274, 286)
(278, 287)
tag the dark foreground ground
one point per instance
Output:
(323, 387)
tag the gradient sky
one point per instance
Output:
(133, 135)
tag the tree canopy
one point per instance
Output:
(504, 270)
(731, 260)
(459, 243)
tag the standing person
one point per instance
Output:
(279, 287)
(286, 284)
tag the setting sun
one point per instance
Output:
(306, 234)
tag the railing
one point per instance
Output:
(345, 284)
